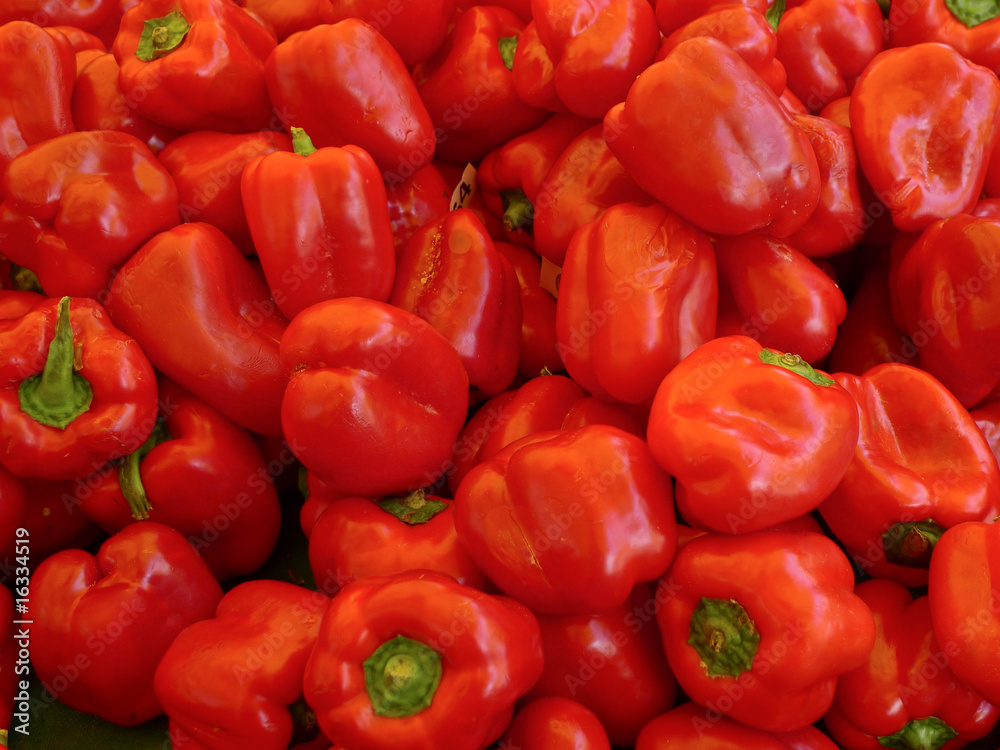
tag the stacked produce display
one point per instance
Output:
(532, 375)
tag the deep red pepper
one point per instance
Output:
(729, 159)
(109, 619)
(287, 18)
(321, 80)
(75, 225)
(970, 28)
(249, 657)
(78, 39)
(672, 14)
(98, 104)
(215, 330)
(422, 197)
(179, 69)
(376, 399)
(416, 29)
(450, 274)
(534, 72)
(526, 516)
(199, 474)
(420, 661)
(77, 392)
(555, 724)
(357, 537)
(638, 293)
(905, 692)
(468, 86)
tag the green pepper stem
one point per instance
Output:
(401, 677)
(130, 478)
(24, 279)
(301, 143)
(161, 36)
(59, 394)
(920, 734)
(413, 509)
(911, 544)
(774, 13)
(795, 363)
(724, 636)
(518, 210)
(973, 12)
(507, 46)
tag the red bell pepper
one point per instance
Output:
(868, 336)
(534, 71)
(318, 497)
(416, 29)
(83, 14)
(752, 436)
(916, 472)
(77, 392)
(422, 197)
(102, 624)
(987, 418)
(939, 287)
(345, 83)
(826, 44)
(746, 30)
(545, 402)
(199, 474)
(376, 399)
(774, 294)
(585, 181)
(758, 626)
(840, 219)
(970, 28)
(180, 58)
(597, 49)
(539, 343)
(638, 293)
(319, 219)
(74, 225)
(450, 274)
(511, 175)
(39, 74)
(690, 727)
(468, 86)
(905, 692)
(98, 104)
(250, 658)
(965, 603)
(215, 330)
(555, 724)
(925, 120)
(612, 662)
(672, 14)
(357, 537)
(527, 517)
(207, 167)
(725, 154)
(286, 18)
(420, 661)
(78, 39)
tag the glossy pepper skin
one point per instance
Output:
(287, 18)
(207, 167)
(905, 690)
(972, 31)
(915, 473)
(249, 657)
(585, 181)
(638, 293)
(690, 726)
(672, 14)
(458, 659)
(416, 30)
(77, 391)
(200, 474)
(319, 220)
(941, 292)
(511, 175)
(962, 588)
(597, 49)
(526, 516)
(228, 353)
(612, 662)
(81, 14)
(731, 161)
(826, 44)
(112, 616)
(468, 86)
(726, 628)
(556, 724)
(358, 537)
(753, 436)
(180, 70)
(76, 227)
(450, 274)
(39, 74)
(771, 292)
(376, 398)
(321, 80)
(421, 197)
(923, 138)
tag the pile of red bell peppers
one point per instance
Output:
(632, 368)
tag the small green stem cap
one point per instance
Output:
(401, 677)
(518, 210)
(414, 508)
(920, 734)
(724, 636)
(911, 544)
(508, 46)
(301, 143)
(973, 12)
(796, 364)
(161, 36)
